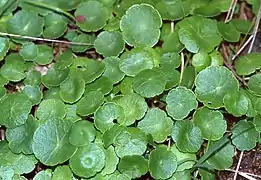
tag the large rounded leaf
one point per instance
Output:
(51, 143)
(91, 15)
(199, 34)
(26, 24)
(212, 84)
(157, 124)
(109, 43)
(248, 64)
(162, 163)
(140, 25)
(228, 32)
(211, 123)
(133, 166)
(88, 160)
(180, 101)
(149, 83)
(187, 136)
(134, 107)
(15, 109)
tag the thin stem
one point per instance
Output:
(182, 67)
(42, 39)
(238, 164)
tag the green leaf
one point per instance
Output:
(228, 32)
(50, 142)
(242, 25)
(109, 137)
(15, 109)
(244, 135)
(201, 60)
(4, 47)
(55, 76)
(72, 89)
(88, 160)
(181, 175)
(82, 133)
(26, 24)
(133, 166)
(187, 136)
(126, 85)
(134, 61)
(248, 64)
(93, 14)
(211, 123)
(50, 108)
(171, 43)
(82, 38)
(6, 172)
(149, 83)
(134, 107)
(216, 58)
(34, 94)
(71, 113)
(162, 163)
(102, 84)
(236, 103)
(257, 122)
(29, 51)
(180, 101)
(7, 7)
(109, 43)
(62, 173)
(223, 5)
(113, 24)
(45, 55)
(184, 160)
(206, 174)
(111, 161)
(43, 175)
(105, 116)
(13, 68)
(89, 69)
(3, 92)
(52, 93)
(90, 102)
(170, 60)
(55, 25)
(157, 124)
(140, 25)
(199, 34)
(213, 83)
(223, 158)
(131, 141)
(173, 10)
(21, 138)
(254, 84)
(33, 78)
(64, 60)
(188, 77)
(112, 70)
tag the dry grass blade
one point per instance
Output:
(231, 10)
(238, 165)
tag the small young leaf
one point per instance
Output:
(201, 60)
(228, 32)
(102, 84)
(33, 78)
(62, 173)
(34, 94)
(55, 77)
(45, 55)
(180, 101)
(162, 163)
(111, 161)
(133, 166)
(112, 70)
(248, 64)
(254, 84)
(29, 51)
(109, 137)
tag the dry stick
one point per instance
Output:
(245, 173)
(238, 165)
(182, 67)
(42, 39)
(258, 17)
(242, 47)
(231, 10)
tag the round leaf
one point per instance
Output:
(140, 25)
(50, 142)
(201, 60)
(187, 136)
(180, 101)
(134, 107)
(102, 84)
(29, 51)
(89, 103)
(111, 161)
(254, 84)
(82, 38)
(157, 124)
(257, 122)
(244, 135)
(45, 55)
(93, 15)
(82, 133)
(213, 83)
(109, 43)
(34, 94)
(62, 172)
(55, 76)
(149, 83)
(4, 47)
(50, 108)
(112, 70)
(15, 109)
(162, 163)
(248, 64)
(211, 123)
(88, 160)
(106, 115)
(133, 166)
(228, 32)
(72, 89)
(199, 34)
